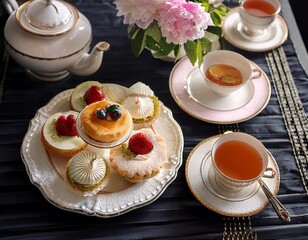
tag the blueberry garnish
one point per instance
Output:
(101, 114)
(115, 115)
(112, 112)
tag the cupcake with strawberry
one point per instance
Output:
(89, 92)
(141, 157)
(142, 104)
(59, 135)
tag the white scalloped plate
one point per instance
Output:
(48, 176)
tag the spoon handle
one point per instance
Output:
(281, 211)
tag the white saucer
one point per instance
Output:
(272, 37)
(190, 92)
(252, 202)
(201, 93)
(208, 177)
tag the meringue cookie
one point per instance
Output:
(139, 106)
(86, 168)
(87, 172)
(140, 89)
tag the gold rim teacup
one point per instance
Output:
(227, 183)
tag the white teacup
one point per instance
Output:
(224, 174)
(258, 15)
(232, 59)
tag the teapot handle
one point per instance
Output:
(10, 5)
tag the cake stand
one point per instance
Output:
(99, 147)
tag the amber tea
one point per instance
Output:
(259, 7)
(224, 75)
(238, 160)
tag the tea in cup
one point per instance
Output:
(238, 161)
(258, 15)
(226, 71)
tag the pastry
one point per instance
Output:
(142, 104)
(87, 93)
(141, 157)
(87, 172)
(59, 135)
(105, 121)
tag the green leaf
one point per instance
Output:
(218, 14)
(177, 51)
(152, 44)
(138, 42)
(199, 52)
(133, 31)
(204, 3)
(161, 48)
(191, 51)
(216, 18)
(205, 45)
(165, 48)
(215, 30)
(222, 10)
(154, 31)
(207, 7)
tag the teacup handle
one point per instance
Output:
(269, 173)
(259, 74)
(10, 5)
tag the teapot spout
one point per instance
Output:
(90, 63)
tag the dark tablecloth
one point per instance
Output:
(26, 214)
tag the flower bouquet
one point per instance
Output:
(167, 26)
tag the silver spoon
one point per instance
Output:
(281, 211)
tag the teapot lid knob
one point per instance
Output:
(47, 17)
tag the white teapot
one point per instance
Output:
(51, 39)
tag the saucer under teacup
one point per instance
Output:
(202, 94)
(271, 38)
(247, 203)
(265, 36)
(208, 177)
(186, 85)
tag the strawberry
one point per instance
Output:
(139, 143)
(71, 124)
(61, 125)
(66, 125)
(94, 94)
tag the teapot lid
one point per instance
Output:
(47, 17)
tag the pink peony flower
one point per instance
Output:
(181, 21)
(140, 12)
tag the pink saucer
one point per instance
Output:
(219, 111)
